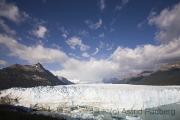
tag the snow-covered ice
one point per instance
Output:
(73, 99)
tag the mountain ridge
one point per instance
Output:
(156, 77)
(18, 75)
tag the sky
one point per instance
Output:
(88, 40)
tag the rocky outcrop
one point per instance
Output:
(169, 66)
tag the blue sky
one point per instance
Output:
(88, 40)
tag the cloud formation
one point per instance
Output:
(109, 47)
(97, 50)
(2, 62)
(6, 28)
(167, 22)
(85, 54)
(32, 54)
(83, 32)
(11, 12)
(122, 62)
(101, 35)
(119, 7)
(140, 25)
(101, 4)
(77, 42)
(94, 26)
(101, 44)
(71, 54)
(65, 32)
(111, 29)
(40, 32)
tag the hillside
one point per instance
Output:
(168, 74)
(133, 78)
(168, 77)
(65, 81)
(27, 76)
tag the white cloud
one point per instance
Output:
(94, 26)
(74, 55)
(86, 71)
(167, 22)
(11, 12)
(110, 47)
(147, 56)
(77, 42)
(38, 22)
(101, 4)
(119, 7)
(106, 45)
(115, 19)
(125, 2)
(112, 30)
(64, 35)
(56, 46)
(65, 32)
(97, 50)
(122, 62)
(6, 28)
(83, 32)
(102, 35)
(40, 32)
(39, 42)
(2, 62)
(32, 54)
(85, 54)
(140, 25)
(101, 44)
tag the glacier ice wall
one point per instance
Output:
(97, 97)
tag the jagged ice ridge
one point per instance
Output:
(103, 97)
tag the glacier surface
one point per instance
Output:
(73, 99)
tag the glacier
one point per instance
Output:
(73, 100)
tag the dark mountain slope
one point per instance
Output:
(27, 76)
(65, 81)
(168, 74)
(169, 77)
(133, 78)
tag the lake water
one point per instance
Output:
(166, 112)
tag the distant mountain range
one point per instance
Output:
(168, 74)
(28, 76)
(110, 80)
(65, 81)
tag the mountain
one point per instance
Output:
(133, 78)
(27, 76)
(65, 81)
(169, 66)
(111, 80)
(168, 74)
